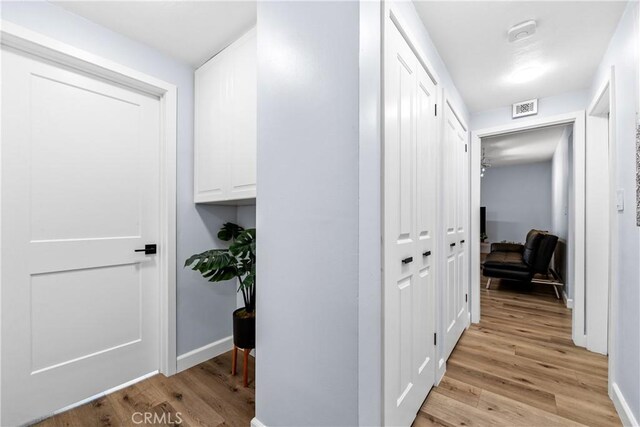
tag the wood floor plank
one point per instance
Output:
(519, 366)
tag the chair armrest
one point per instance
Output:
(507, 247)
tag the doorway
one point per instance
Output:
(577, 217)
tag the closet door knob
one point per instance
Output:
(452, 244)
(426, 253)
(461, 241)
(407, 260)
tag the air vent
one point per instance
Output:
(525, 108)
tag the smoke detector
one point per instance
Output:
(522, 31)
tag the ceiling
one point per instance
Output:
(471, 37)
(190, 31)
(532, 146)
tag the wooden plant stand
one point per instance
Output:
(245, 364)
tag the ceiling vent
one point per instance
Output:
(522, 31)
(525, 108)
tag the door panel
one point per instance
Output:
(80, 192)
(456, 195)
(409, 211)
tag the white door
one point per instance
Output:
(80, 193)
(409, 211)
(456, 201)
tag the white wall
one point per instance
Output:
(622, 53)
(560, 104)
(307, 213)
(517, 198)
(560, 187)
(561, 167)
(203, 310)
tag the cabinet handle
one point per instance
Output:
(426, 253)
(461, 241)
(452, 244)
(407, 260)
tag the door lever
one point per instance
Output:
(407, 260)
(148, 249)
(461, 241)
(452, 244)
(426, 253)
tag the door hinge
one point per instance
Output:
(436, 109)
(466, 297)
(465, 148)
(435, 339)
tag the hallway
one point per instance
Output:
(518, 366)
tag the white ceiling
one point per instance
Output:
(471, 37)
(190, 31)
(523, 147)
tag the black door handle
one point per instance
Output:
(148, 249)
(461, 241)
(407, 260)
(452, 244)
(426, 253)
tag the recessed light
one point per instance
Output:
(522, 31)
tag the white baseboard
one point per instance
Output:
(256, 423)
(624, 411)
(204, 353)
(567, 301)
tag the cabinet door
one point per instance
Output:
(211, 162)
(242, 183)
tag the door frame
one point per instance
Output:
(576, 118)
(600, 339)
(33, 43)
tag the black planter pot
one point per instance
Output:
(244, 330)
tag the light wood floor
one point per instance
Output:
(205, 395)
(519, 367)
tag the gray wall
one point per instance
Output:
(517, 198)
(623, 54)
(307, 213)
(203, 311)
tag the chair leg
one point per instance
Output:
(234, 360)
(488, 283)
(245, 367)
(555, 288)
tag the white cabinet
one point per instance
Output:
(225, 125)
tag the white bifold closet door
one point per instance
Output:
(409, 232)
(455, 177)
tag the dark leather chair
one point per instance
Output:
(520, 262)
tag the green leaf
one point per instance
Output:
(229, 231)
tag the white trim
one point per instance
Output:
(441, 369)
(257, 423)
(567, 301)
(42, 46)
(408, 37)
(204, 353)
(579, 139)
(622, 407)
(598, 299)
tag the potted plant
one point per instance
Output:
(238, 261)
(483, 237)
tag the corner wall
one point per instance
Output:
(203, 310)
(622, 54)
(307, 213)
